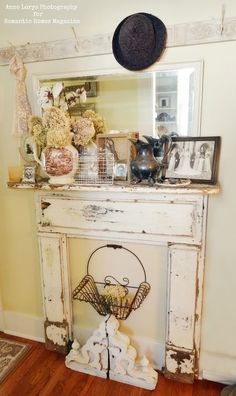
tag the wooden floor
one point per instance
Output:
(44, 373)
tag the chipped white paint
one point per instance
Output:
(175, 217)
(56, 335)
(183, 262)
(178, 364)
(117, 188)
(186, 366)
(199, 297)
(52, 279)
(56, 286)
(171, 364)
(163, 217)
(178, 35)
(121, 365)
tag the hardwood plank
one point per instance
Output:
(43, 373)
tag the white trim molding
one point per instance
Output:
(218, 377)
(25, 326)
(218, 366)
(31, 327)
(195, 33)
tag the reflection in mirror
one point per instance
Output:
(176, 94)
(161, 101)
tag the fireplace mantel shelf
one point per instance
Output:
(119, 187)
(174, 217)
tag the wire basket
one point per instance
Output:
(112, 298)
(95, 168)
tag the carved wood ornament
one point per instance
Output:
(108, 354)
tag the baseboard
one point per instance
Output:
(25, 326)
(153, 350)
(32, 327)
(216, 377)
(218, 366)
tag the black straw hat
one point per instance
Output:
(139, 41)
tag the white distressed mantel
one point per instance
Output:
(175, 217)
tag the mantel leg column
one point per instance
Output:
(56, 291)
(182, 297)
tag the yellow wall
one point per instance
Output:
(19, 271)
(107, 262)
(111, 98)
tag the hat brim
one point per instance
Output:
(131, 63)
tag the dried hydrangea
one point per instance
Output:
(55, 118)
(52, 130)
(97, 120)
(37, 131)
(84, 131)
(58, 137)
(114, 292)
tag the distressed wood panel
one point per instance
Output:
(180, 364)
(152, 221)
(56, 291)
(50, 249)
(199, 290)
(183, 262)
(117, 213)
(119, 189)
(193, 33)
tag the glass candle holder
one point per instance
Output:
(15, 173)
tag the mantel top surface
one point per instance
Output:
(118, 187)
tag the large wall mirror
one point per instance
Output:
(165, 99)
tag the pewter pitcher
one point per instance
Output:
(144, 166)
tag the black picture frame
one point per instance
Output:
(194, 158)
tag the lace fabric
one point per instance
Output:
(22, 105)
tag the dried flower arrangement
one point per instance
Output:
(97, 120)
(116, 296)
(53, 129)
(56, 132)
(114, 291)
(84, 131)
(57, 128)
(57, 96)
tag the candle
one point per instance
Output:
(15, 173)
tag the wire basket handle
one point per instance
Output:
(114, 246)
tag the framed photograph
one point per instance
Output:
(79, 109)
(164, 101)
(194, 158)
(90, 87)
(72, 84)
